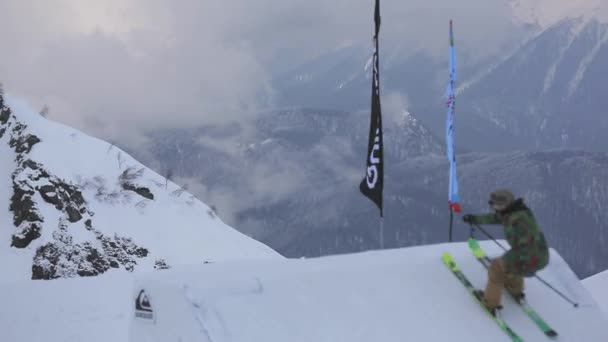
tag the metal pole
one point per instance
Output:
(451, 223)
(381, 232)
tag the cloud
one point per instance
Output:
(547, 12)
(115, 68)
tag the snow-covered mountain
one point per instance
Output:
(384, 296)
(294, 185)
(566, 190)
(544, 96)
(78, 206)
(543, 92)
(286, 163)
(545, 13)
(547, 95)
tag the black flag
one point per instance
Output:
(373, 183)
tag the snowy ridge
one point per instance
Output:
(576, 28)
(80, 207)
(545, 13)
(479, 76)
(602, 38)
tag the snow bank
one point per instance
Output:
(597, 285)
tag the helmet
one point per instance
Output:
(501, 199)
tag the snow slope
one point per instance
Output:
(375, 296)
(393, 295)
(157, 225)
(62, 310)
(597, 285)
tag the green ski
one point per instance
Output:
(451, 264)
(483, 258)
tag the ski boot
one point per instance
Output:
(518, 296)
(492, 310)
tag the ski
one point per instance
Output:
(451, 264)
(483, 258)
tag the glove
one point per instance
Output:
(468, 218)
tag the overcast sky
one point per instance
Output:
(116, 68)
(124, 66)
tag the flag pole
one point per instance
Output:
(373, 183)
(451, 223)
(453, 197)
(381, 232)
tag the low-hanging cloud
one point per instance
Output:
(116, 68)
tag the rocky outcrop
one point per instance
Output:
(34, 186)
(140, 190)
(161, 264)
(64, 258)
(24, 144)
(127, 179)
(5, 113)
(64, 197)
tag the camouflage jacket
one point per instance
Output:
(529, 252)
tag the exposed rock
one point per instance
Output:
(49, 194)
(122, 250)
(63, 258)
(23, 144)
(142, 191)
(38, 172)
(44, 263)
(18, 127)
(56, 260)
(161, 264)
(73, 214)
(31, 164)
(29, 232)
(23, 207)
(65, 198)
(72, 193)
(5, 114)
(98, 264)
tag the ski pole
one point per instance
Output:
(575, 304)
(487, 234)
(544, 282)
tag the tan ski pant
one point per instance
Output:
(499, 278)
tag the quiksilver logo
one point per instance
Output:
(372, 170)
(143, 308)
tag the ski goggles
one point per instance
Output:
(495, 206)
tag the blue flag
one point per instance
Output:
(453, 198)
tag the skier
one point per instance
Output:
(528, 254)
